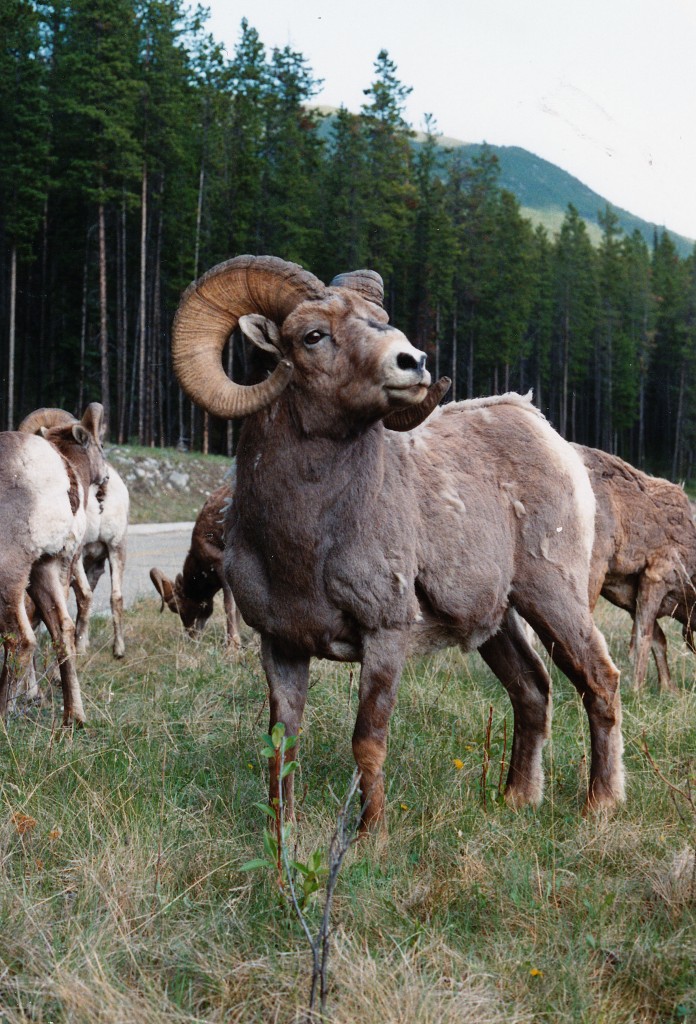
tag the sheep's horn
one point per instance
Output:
(93, 420)
(47, 418)
(367, 282)
(407, 419)
(209, 311)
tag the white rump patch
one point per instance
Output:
(52, 525)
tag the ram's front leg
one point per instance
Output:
(288, 678)
(383, 658)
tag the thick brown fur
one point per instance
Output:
(351, 542)
(190, 595)
(644, 556)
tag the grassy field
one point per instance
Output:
(122, 897)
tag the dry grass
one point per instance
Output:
(122, 898)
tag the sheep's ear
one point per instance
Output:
(81, 435)
(262, 332)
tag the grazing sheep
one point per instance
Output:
(355, 543)
(191, 594)
(105, 539)
(44, 486)
(644, 556)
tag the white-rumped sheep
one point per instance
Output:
(355, 543)
(644, 555)
(190, 595)
(105, 539)
(44, 486)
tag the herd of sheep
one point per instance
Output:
(366, 523)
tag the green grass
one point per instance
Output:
(122, 897)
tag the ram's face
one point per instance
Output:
(346, 356)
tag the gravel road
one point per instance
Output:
(161, 544)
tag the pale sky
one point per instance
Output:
(605, 89)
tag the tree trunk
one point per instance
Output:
(122, 328)
(103, 322)
(676, 455)
(454, 355)
(563, 426)
(142, 318)
(83, 328)
(12, 338)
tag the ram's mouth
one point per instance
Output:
(412, 393)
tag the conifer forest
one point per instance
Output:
(135, 153)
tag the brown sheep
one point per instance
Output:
(355, 543)
(190, 595)
(644, 556)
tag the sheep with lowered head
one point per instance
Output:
(644, 556)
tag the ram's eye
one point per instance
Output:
(313, 337)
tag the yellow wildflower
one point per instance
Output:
(458, 763)
(536, 973)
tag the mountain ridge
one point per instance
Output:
(544, 190)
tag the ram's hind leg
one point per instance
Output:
(117, 560)
(47, 591)
(580, 651)
(524, 676)
(18, 641)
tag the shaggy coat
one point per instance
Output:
(644, 556)
(190, 595)
(44, 486)
(350, 542)
(105, 538)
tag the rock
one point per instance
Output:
(179, 480)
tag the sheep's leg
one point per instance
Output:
(19, 642)
(233, 619)
(116, 565)
(580, 651)
(288, 679)
(83, 599)
(47, 592)
(648, 601)
(659, 650)
(524, 676)
(382, 661)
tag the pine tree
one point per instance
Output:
(575, 312)
(95, 93)
(24, 153)
(434, 252)
(392, 199)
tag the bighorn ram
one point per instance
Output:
(355, 543)
(191, 594)
(44, 486)
(105, 538)
(644, 556)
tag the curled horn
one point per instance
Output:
(209, 311)
(48, 418)
(367, 282)
(407, 419)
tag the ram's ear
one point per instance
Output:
(262, 332)
(81, 435)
